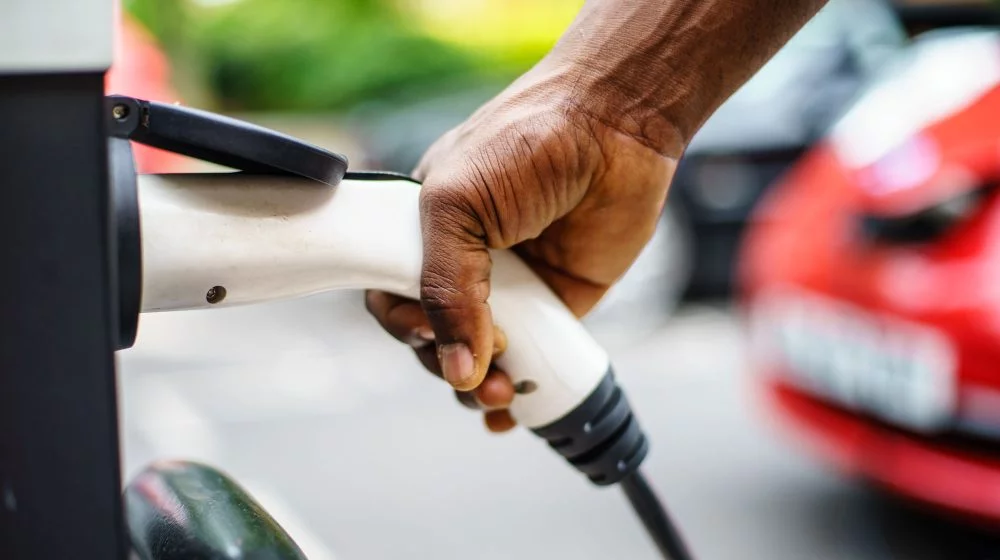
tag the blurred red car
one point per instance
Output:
(871, 278)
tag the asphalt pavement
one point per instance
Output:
(363, 456)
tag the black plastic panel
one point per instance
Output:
(60, 486)
(600, 437)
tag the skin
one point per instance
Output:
(569, 167)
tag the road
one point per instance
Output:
(363, 456)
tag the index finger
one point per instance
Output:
(401, 317)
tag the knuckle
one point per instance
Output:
(445, 198)
(440, 294)
(451, 212)
(446, 291)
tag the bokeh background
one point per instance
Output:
(359, 453)
(393, 74)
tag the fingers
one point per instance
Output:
(401, 317)
(496, 390)
(405, 320)
(494, 394)
(428, 355)
(498, 421)
(455, 285)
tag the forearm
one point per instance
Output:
(657, 69)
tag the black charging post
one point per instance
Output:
(60, 487)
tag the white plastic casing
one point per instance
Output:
(265, 238)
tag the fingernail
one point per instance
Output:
(420, 337)
(456, 363)
(425, 333)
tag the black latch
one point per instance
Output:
(221, 140)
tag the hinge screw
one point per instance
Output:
(119, 112)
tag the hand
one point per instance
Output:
(571, 193)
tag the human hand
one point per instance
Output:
(575, 195)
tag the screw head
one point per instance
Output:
(215, 294)
(119, 112)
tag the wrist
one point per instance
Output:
(647, 87)
(603, 90)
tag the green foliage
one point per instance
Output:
(310, 54)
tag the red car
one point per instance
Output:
(871, 280)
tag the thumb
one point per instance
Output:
(455, 282)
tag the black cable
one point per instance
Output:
(654, 517)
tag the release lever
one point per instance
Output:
(221, 140)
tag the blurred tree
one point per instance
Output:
(516, 32)
(317, 54)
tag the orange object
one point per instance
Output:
(141, 69)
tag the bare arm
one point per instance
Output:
(657, 69)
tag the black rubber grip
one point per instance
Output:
(600, 437)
